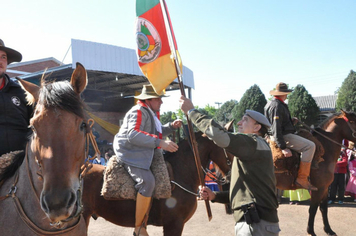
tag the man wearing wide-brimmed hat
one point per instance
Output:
(14, 111)
(283, 132)
(139, 139)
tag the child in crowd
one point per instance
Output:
(209, 178)
(351, 185)
(338, 185)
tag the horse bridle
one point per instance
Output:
(219, 179)
(331, 140)
(22, 213)
(89, 137)
(83, 170)
(349, 124)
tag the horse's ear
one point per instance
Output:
(344, 113)
(43, 78)
(229, 126)
(79, 78)
(32, 90)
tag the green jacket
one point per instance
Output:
(252, 174)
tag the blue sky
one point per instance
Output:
(229, 45)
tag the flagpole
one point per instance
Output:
(181, 86)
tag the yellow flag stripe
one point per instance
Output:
(161, 72)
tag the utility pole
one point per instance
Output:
(218, 104)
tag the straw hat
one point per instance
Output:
(281, 89)
(148, 93)
(12, 55)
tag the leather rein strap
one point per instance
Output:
(84, 169)
(330, 139)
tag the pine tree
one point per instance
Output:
(208, 110)
(253, 99)
(346, 98)
(224, 113)
(303, 106)
(167, 117)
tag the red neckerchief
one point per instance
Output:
(276, 97)
(139, 102)
(2, 84)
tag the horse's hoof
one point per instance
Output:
(330, 233)
(94, 216)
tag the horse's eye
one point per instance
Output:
(83, 125)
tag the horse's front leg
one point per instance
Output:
(173, 228)
(312, 212)
(324, 213)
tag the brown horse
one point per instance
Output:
(330, 134)
(170, 213)
(43, 196)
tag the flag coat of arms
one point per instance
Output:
(154, 51)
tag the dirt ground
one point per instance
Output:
(293, 221)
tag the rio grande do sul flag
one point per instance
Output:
(153, 49)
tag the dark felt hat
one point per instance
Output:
(258, 117)
(12, 55)
(281, 89)
(149, 93)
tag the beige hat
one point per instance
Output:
(148, 93)
(281, 89)
(258, 117)
(12, 55)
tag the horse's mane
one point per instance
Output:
(61, 94)
(52, 95)
(323, 125)
(331, 118)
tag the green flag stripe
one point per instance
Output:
(142, 6)
(145, 30)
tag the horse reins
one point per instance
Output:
(330, 139)
(83, 170)
(212, 176)
(348, 123)
(89, 138)
(21, 212)
(219, 180)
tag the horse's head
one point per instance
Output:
(58, 142)
(344, 122)
(350, 118)
(218, 155)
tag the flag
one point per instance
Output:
(154, 52)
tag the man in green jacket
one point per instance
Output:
(253, 185)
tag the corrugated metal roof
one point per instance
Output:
(28, 67)
(326, 103)
(113, 59)
(112, 70)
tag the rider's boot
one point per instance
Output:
(303, 174)
(142, 207)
